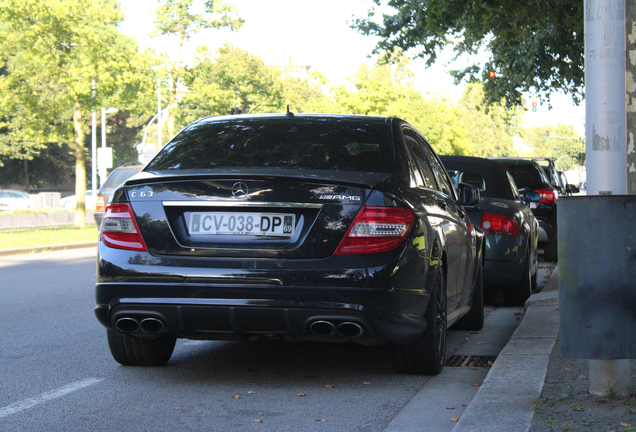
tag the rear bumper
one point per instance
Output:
(504, 260)
(269, 297)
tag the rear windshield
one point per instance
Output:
(489, 183)
(315, 143)
(528, 176)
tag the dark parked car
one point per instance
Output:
(529, 175)
(510, 229)
(319, 227)
(114, 179)
(557, 178)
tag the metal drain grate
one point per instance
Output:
(470, 360)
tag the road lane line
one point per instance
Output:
(44, 397)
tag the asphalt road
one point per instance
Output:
(58, 375)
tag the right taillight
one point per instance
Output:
(548, 196)
(100, 204)
(499, 225)
(376, 229)
(119, 229)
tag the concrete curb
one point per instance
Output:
(35, 249)
(504, 400)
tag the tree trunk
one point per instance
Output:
(27, 186)
(80, 167)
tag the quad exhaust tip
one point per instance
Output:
(146, 325)
(151, 325)
(350, 329)
(327, 328)
(127, 325)
(322, 328)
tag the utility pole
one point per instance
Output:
(605, 131)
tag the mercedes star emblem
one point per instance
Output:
(239, 190)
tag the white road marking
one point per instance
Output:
(44, 397)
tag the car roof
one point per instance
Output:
(495, 174)
(335, 117)
(515, 160)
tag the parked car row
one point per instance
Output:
(313, 227)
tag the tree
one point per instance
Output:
(234, 82)
(387, 90)
(534, 46)
(52, 51)
(563, 141)
(177, 17)
(490, 129)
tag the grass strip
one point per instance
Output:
(46, 236)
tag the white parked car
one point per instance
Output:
(14, 200)
(69, 202)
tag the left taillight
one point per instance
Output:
(499, 225)
(100, 204)
(376, 229)
(119, 229)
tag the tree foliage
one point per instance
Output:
(234, 82)
(51, 51)
(179, 18)
(563, 142)
(534, 46)
(490, 130)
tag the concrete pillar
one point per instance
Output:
(606, 89)
(630, 86)
(609, 377)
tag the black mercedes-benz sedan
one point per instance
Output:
(510, 229)
(319, 227)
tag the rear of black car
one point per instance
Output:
(529, 175)
(272, 225)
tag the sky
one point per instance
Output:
(318, 34)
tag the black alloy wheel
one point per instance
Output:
(427, 354)
(474, 319)
(517, 294)
(133, 351)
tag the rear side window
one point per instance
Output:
(491, 184)
(314, 143)
(528, 176)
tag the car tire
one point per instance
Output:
(133, 351)
(551, 252)
(517, 294)
(426, 355)
(474, 319)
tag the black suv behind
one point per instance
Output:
(530, 175)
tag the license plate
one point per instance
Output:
(261, 224)
(533, 205)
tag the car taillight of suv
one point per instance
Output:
(100, 204)
(548, 196)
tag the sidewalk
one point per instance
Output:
(504, 401)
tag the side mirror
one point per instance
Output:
(531, 196)
(571, 189)
(468, 194)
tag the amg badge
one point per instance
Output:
(340, 197)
